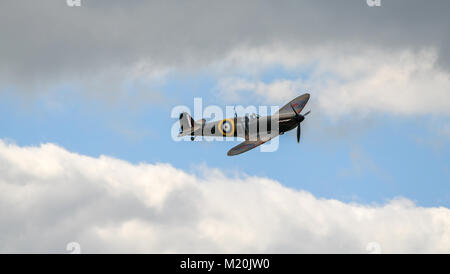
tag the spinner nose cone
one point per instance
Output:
(301, 118)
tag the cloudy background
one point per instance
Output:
(86, 153)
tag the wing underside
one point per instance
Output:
(246, 146)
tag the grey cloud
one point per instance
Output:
(46, 41)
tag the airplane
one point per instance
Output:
(255, 130)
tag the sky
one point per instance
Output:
(87, 96)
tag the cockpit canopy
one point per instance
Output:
(253, 116)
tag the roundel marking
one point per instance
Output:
(226, 127)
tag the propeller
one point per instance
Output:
(299, 118)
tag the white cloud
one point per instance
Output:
(343, 81)
(277, 91)
(50, 197)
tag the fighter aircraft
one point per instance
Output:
(255, 130)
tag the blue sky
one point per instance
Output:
(370, 160)
(103, 78)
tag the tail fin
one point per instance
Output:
(189, 126)
(186, 122)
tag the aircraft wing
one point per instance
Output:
(246, 146)
(298, 104)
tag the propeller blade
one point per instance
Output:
(296, 114)
(309, 111)
(298, 133)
